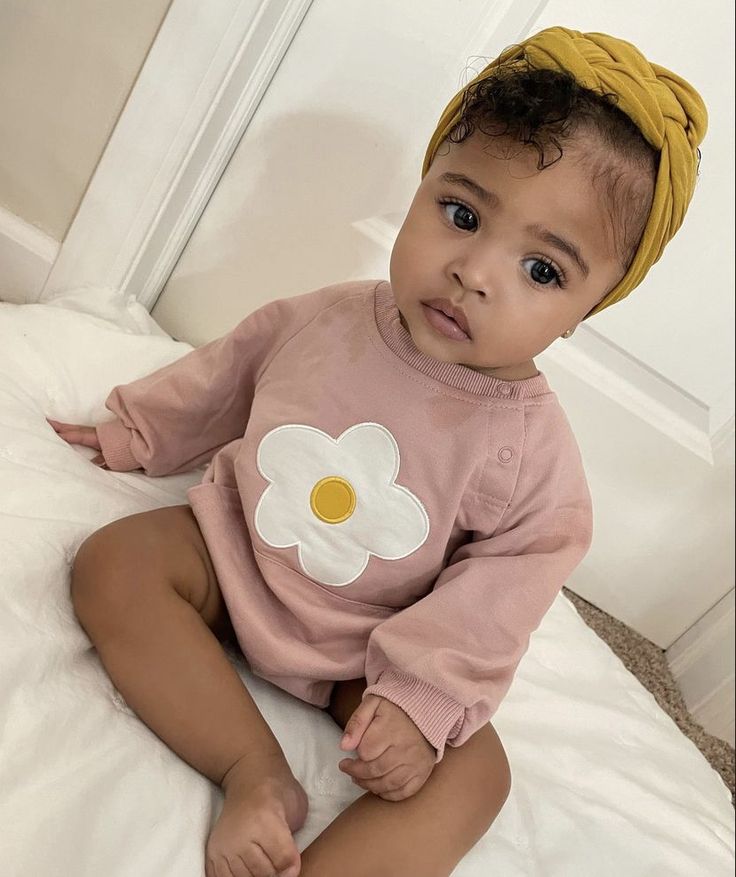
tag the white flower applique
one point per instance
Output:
(337, 500)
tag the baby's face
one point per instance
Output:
(505, 258)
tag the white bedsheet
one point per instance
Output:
(604, 783)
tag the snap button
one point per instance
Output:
(505, 455)
(505, 390)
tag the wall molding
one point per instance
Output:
(201, 83)
(636, 387)
(26, 257)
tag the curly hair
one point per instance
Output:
(546, 109)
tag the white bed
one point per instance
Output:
(604, 783)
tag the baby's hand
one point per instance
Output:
(79, 435)
(395, 758)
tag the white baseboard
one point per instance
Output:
(26, 257)
(702, 662)
(716, 712)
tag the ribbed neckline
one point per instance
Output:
(452, 374)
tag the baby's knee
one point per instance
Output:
(139, 564)
(99, 571)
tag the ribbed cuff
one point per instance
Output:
(114, 439)
(437, 716)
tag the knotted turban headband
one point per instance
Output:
(667, 110)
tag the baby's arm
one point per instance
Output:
(178, 417)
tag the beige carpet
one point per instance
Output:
(648, 663)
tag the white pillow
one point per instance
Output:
(67, 355)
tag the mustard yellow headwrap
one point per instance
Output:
(667, 110)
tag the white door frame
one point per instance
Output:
(200, 85)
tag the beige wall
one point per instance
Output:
(65, 72)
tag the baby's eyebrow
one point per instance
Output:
(565, 246)
(490, 199)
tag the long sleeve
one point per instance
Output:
(449, 659)
(178, 417)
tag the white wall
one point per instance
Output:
(335, 149)
(341, 134)
(681, 319)
(338, 138)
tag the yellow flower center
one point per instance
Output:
(332, 499)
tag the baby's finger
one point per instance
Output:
(84, 436)
(407, 791)
(374, 744)
(59, 424)
(75, 434)
(359, 722)
(367, 770)
(393, 782)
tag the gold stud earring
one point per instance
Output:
(567, 334)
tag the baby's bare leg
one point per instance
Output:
(145, 591)
(425, 835)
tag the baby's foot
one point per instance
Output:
(263, 805)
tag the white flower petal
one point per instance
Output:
(278, 529)
(372, 449)
(395, 525)
(330, 567)
(293, 452)
(388, 520)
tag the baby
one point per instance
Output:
(394, 496)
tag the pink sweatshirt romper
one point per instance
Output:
(369, 510)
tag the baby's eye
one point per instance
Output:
(459, 215)
(543, 272)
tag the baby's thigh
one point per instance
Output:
(469, 786)
(123, 561)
